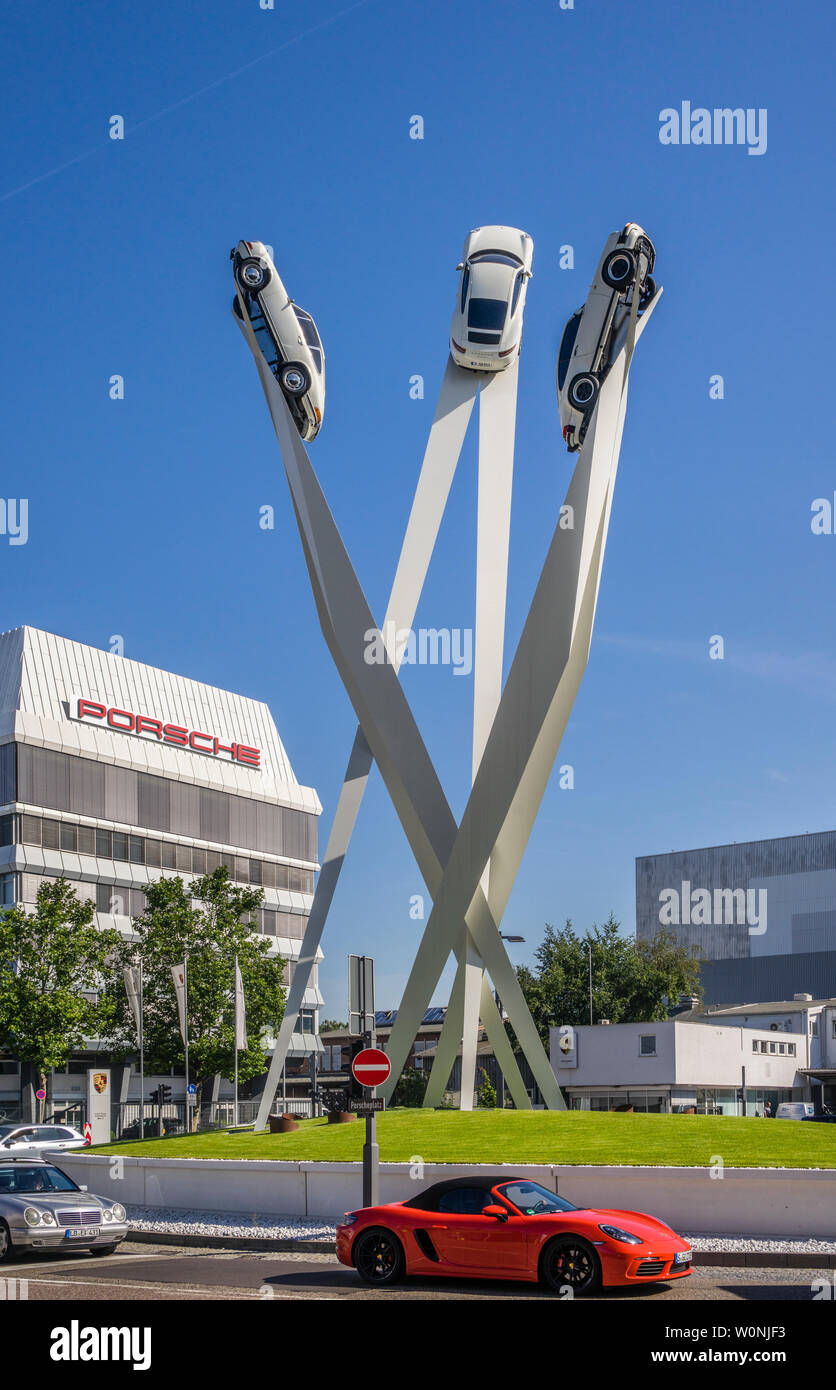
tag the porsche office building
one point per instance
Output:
(113, 774)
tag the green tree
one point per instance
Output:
(53, 959)
(632, 981)
(211, 921)
(486, 1093)
(410, 1089)
(332, 1025)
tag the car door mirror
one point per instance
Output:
(460, 265)
(499, 1213)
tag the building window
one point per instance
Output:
(6, 830)
(790, 1049)
(306, 1020)
(7, 890)
(756, 1047)
(647, 1045)
(814, 1027)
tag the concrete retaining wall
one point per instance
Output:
(745, 1201)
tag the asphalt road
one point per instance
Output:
(146, 1273)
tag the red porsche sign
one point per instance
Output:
(371, 1067)
(124, 721)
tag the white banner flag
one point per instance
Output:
(240, 1012)
(178, 974)
(132, 986)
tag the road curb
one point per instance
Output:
(751, 1259)
(266, 1245)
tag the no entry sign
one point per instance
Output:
(371, 1067)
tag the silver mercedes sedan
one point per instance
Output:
(42, 1209)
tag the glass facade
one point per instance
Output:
(156, 854)
(63, 782)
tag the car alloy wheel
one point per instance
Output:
(252, 275)
(582, 391)
(619, 269)
(378, 1257)
(294, 379)
(570, 1262)
(5, 1242)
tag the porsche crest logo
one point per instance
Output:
(100, 1081)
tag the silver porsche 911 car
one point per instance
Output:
(285, 332)
(42, 1209)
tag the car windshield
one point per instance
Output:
(533, 1200)
(34, 1177)
(570, 333)
(6, 1130)
(498, 258)
(486, 313)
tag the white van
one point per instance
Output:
(794, 1110)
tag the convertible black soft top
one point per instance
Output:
(428, 1199)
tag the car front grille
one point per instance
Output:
(651, 1267)
(87, 1217)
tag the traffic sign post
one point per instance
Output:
(370, 1068)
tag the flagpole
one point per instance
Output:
(188, 1125)
(235, 1103)
(141, 1057)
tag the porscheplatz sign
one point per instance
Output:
(469, 868)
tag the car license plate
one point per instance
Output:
(682, 1257)
(83, 1233)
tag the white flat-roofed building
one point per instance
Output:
(673, 1066)
(114, 773)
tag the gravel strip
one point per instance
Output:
(171, 1221)
(778, 1245)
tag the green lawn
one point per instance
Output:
(535, 1136)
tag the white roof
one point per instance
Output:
(40, 674)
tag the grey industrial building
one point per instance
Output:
(762, 914)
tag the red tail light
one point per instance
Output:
(457, 346)
(507, 352)
(565, 431)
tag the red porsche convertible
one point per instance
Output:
(509, 1228)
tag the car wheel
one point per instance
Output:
(6, 1247)
(252, 275)
(570, 1262)
(294, 379)
(619, 269)
(378, 1256)
(583, 390)
(649, 289)
(105, 1250)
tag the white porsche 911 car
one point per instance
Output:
(285, 333)
(486, 332)
(586, 352)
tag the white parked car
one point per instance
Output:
(794, 1110)
(34, 1141)
(486, 331)
(586, 354)
(285, 333)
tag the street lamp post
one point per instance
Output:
(589, 949)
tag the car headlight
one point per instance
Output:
(107, 1215)
(47, 1219)
(117, 1212)
(32, 1217)
(349, 1218)
(616, 1233)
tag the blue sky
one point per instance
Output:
(294, 128)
